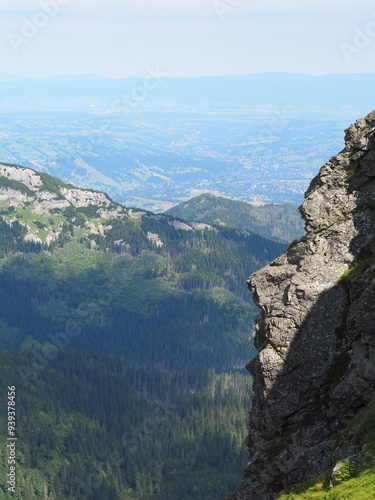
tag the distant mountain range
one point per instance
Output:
(154, 141)
(60, 78)
(330, 91)
(7, 77)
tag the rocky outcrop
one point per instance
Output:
(44, 205)
(25, 175)
(38, 196)
(84, 198)
(315, 333)
(192, 226)
(47, 197)
(155, 239)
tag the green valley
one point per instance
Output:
(125, 334)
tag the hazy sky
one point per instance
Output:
(120, 38)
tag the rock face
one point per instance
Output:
(43, 200)
(316, 330)
(43, 195)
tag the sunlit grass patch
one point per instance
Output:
(354, 481)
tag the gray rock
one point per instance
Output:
(316, 332)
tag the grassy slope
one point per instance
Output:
(356, 482)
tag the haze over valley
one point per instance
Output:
(187, 243)
(153, 142)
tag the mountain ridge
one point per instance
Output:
(125, 333)
(298, 88)
(23, 188)
(286, 222)
(49, 227)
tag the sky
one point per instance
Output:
(186, 38)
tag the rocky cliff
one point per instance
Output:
(315, 333)
(35, 198)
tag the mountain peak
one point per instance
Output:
(279, 222)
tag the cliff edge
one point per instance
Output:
(315, 333)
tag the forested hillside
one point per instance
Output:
(125, 334)
(89, 426)
(280, 222)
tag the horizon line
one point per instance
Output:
(99, 76)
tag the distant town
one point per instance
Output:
(161, 153)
